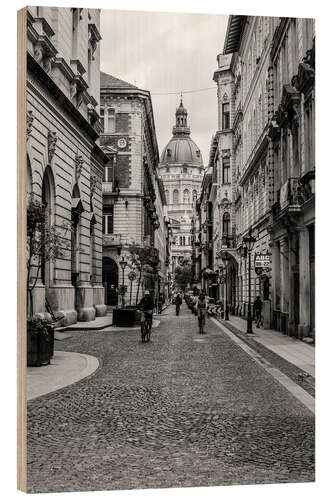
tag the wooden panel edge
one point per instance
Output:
(21, 248)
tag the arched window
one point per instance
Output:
(194, 196)
(29, 177)
(175, 197)
(186, 197)
(77, 209)
(48, 200)
(110, 121)
(226, 223)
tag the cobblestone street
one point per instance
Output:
(182, 410)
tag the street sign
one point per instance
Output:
(262, 263)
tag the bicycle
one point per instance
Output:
(146, 325)
(201, 320)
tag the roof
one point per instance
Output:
(234, 34)
(181, 150)
(111, 82)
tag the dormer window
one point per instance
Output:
(169, 153)
(197, 153)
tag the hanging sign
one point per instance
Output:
(262, 263)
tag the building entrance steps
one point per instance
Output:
(291, 349)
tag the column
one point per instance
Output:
(276, 284)
(304, 283)
(293, 269)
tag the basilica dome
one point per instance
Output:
(181, 149)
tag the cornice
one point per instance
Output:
(60, 97)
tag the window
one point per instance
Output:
(226, 223)
(186, 197)
(167, 196)
(184, 170)
(108, 174)
(75, 31)
(176, 197)
(167, 169)
(225, 116)
(102, 118)
(169, 153)
(226, 170)
(194, 196)
(107, 220)
(110, 121)
(198, 153)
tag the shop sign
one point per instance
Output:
(262, 263)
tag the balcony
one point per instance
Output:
(292, 194)
(107, 187)
(112, 240)
(228, 241)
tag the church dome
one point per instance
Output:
(181, 149)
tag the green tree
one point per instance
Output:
(183, 276)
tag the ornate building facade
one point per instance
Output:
(263, 168)
(181, 170)
(64, 162)
(134, 204)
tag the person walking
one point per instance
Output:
(178, 302)
(201, 308)
(257, 310)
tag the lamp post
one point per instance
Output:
(226, 259)
(123, 265)
(249, 241)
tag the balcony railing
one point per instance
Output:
(112, 240)
(292, 194)
(107, 187)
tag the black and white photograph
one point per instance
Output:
(168, 250)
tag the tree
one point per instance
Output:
(44, 243)
(183, 276)
(143, 258)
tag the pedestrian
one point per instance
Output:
(257, 309)
(178, 302)
(201, 309)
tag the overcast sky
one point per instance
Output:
(164, 52)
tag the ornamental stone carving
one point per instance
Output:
(51, 142)
(30, 119)
(78, 166)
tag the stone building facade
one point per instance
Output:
(64, 163)
(262, 161)
(133, 195)
(181, 170)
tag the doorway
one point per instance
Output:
(110, 281)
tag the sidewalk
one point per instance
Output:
(64, 369)
(291, 349)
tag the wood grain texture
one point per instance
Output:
(21, 248)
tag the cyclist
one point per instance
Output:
(201, 307)
(146, 306)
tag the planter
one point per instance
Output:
(40, 344)
(124, 317)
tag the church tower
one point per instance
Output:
(181, 169)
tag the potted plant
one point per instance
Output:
(44, 243)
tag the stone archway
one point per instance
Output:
(110, 277)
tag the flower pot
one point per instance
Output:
(124, 317)
(39, 344)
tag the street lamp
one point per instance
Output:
(226, 259)
(249, 241)
(123, 265)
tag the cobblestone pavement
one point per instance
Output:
(182, 410)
